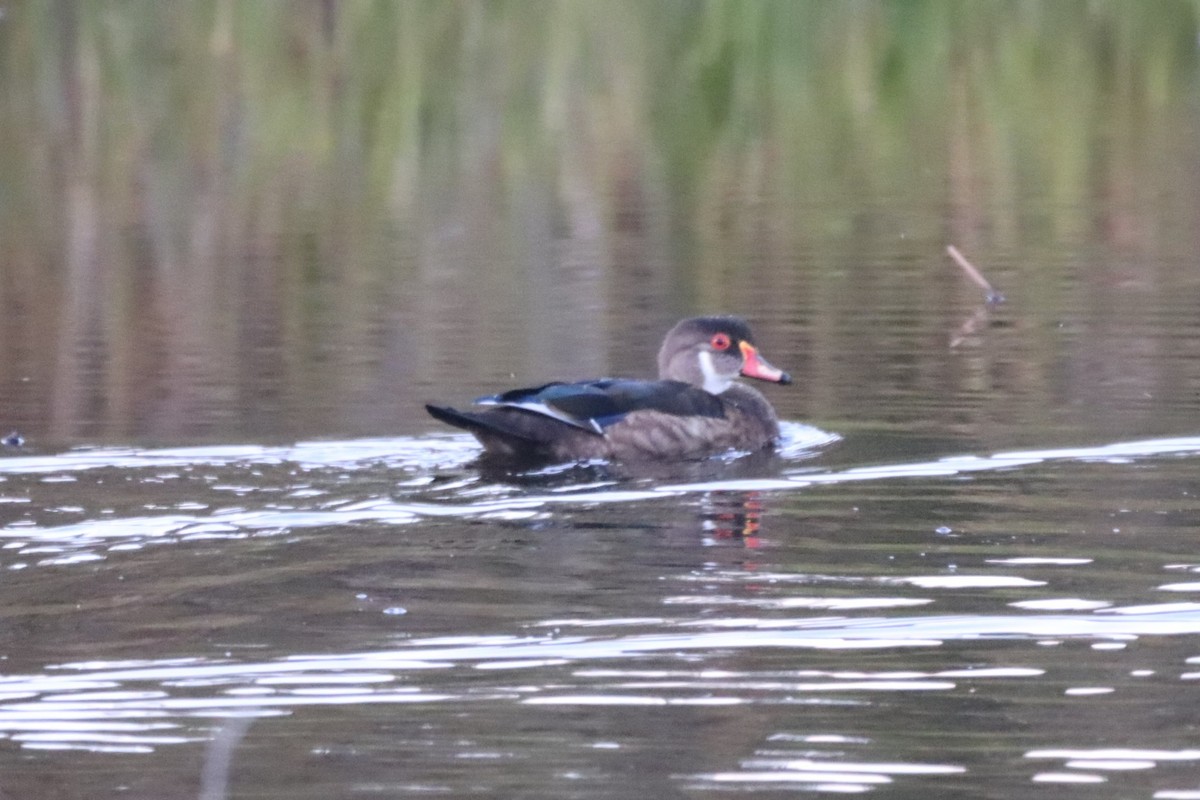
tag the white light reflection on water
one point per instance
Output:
(442, 450)
(307, 509)
(430, 452)
(823, 603)
(1067, 777)
(824, 775)
(1086, 762)
(1115, 754)
(151, 703)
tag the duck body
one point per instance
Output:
(694, 410)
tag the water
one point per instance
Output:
(374, 617)
(244, 243)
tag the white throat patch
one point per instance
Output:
(714, 383)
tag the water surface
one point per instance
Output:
(395, 623)
(243, 243)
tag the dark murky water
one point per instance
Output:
(243, 243)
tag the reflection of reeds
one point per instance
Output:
(276, 217)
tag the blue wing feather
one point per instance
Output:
(596, 405)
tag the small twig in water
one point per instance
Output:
(992, 297)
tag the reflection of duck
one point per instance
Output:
(732, 520)
(697, 408)
(733, 515)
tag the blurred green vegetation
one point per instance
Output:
(213, 212)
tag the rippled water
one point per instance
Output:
(379, 617)
(973, 574)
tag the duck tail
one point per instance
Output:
(481, 423)
(496, 431)
(450, 416)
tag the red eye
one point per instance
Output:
(720, 341)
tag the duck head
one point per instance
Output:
(711, 352)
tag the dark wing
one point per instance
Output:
(594, 405)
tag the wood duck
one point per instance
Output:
(697, 408)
